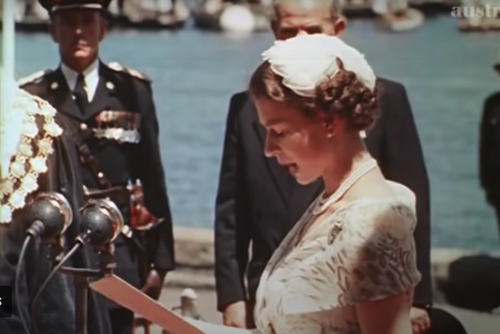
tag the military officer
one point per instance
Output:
(116, 128)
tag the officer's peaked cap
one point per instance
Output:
(57, 5)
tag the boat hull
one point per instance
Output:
(412, 20)
(149, 15)
(205, 20)
(487, 24)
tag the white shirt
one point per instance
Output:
(91, 75)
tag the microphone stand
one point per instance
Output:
(81, 278)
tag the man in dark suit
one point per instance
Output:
(489, 150)
(259, 202)
(116, 127)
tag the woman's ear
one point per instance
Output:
(329, 124)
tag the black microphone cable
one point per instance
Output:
(54, 210)
(54, 271)
(17, 279)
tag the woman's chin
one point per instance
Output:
(297, 173)
(304, 180)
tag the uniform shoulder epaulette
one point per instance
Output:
(33, 78)
(136, 74)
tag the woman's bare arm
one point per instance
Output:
(390, 315)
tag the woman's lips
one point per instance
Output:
(292, 168)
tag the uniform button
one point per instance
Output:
(83, 127)
(100, 175)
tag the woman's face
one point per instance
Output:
(299, 143)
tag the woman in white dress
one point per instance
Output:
(349, 264)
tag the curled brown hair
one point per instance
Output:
(343, 95)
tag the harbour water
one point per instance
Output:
(447, 75)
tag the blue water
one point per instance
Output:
(447, 75)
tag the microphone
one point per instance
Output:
(50, 215)
(101, 222)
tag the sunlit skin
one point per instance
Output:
(296, 17)
(298, 143)
(78, 32)
(310, 147)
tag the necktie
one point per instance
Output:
(80, 94)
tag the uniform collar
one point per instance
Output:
(91, 75)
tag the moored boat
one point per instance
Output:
(477, 16)
(218, 16)
(395, 15)
(363, 8)
(358, 8)
(154, 14)
(474, 25)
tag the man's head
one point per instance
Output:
(77, 26)
(293, 17)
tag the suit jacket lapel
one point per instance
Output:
(374, 137)
(61, 97)
(282, 180)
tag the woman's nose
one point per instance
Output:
(270, 149)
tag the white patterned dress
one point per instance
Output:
(364, 251)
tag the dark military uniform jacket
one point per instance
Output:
(120, 128)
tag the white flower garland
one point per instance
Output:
(25, 149)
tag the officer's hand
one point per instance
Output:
(235, 315)
(420, 320)
(153, 285)
(141, 218)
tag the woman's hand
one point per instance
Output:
(390, 315)
(235, 315)
(420, 320)
(153, 285)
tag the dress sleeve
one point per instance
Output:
(374, 255)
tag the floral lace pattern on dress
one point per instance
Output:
(367, 254)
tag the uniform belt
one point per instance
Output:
(119, 195)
